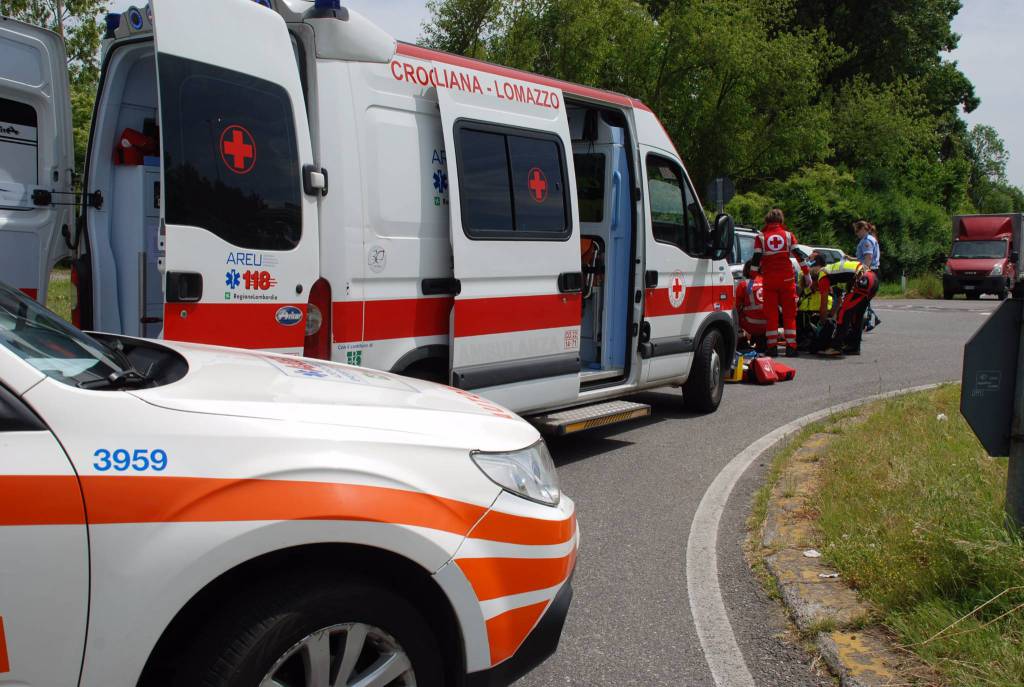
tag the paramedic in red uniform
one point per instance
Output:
(750, 307)
(773, 248)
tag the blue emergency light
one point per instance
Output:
(135, 19)
(265, 3)
(327, 4)
(113, 21)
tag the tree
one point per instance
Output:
(459, 26)
(78, 23)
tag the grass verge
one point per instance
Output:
(911, 513)
(59, 294)
(925, 286)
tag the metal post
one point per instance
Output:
(1015, 470)
(720, 194)
(903, 283)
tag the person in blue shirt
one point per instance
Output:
(868, 254)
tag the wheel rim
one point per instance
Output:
(716, 370)
(345, 655)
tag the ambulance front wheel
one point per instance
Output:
(702, 392)
(316, 631)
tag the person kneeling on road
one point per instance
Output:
(750, 308)
(858, 286)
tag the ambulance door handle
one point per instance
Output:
(183, 287)
(650, 279)
(441, 287)
(570, 282)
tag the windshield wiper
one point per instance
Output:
(117, 380)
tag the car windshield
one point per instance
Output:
(979, 249)
(51, 345)
(746, 247)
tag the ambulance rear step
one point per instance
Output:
(564, 422)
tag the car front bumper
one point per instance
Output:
(955, 283)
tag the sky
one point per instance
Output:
(991, 54)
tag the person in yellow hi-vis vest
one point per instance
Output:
(807, 313)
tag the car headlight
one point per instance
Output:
(529, 472)
(997, 270)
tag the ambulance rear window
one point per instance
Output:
(230, 157)
(511, 184)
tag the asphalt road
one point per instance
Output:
(637, 486)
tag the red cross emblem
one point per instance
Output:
(759, 294)
(538, 184)
(775, 243)
(675, 290)
(238, 149)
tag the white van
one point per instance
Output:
(282, 175)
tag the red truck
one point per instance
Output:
(983, 257)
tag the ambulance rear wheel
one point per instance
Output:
(702, 392)
(314, 632)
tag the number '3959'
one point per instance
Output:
(122, 460)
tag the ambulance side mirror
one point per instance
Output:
(721, 238)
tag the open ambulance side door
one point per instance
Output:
(36, 154)
(515, 329)
(238, 203)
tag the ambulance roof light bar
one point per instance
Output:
(326, 9)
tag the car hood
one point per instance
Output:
(973, 264)
(250, 384)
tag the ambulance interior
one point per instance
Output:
(124, 167)
(603, 182)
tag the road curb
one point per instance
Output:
(710, 618)
(821, 604)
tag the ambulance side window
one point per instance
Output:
(511, 183)
(674, 208)
(230, 155)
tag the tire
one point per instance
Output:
(702, 392)
(269, 631)
(1002, 294)
(947, 295)
(973, 295)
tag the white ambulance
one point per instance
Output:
(178, 514)
(283, 175)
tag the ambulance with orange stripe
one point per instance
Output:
(283, 175)
(183, 514)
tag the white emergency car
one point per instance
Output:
(283, 175)
(183, 514)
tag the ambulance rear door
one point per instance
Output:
(239, 196)
(36, 155)
(515, 326)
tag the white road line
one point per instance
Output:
(722, 653)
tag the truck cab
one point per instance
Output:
(983, 257)
(305, 184)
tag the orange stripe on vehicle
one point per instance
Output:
(502, 527)
(348, 321)
(477, 316)
(127, 499)
(696, 299)
(40, 500)
(493, 578)
(5, 661)
(506, 632)
(118, 499)
(244, 325)
(407, 317)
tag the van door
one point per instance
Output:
(240, 218)
(676, 279)
(36, 154)
(515, 325)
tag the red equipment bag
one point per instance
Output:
(133, 147)
(783, 372)
(762, 371)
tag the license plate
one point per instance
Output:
(969, 287)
